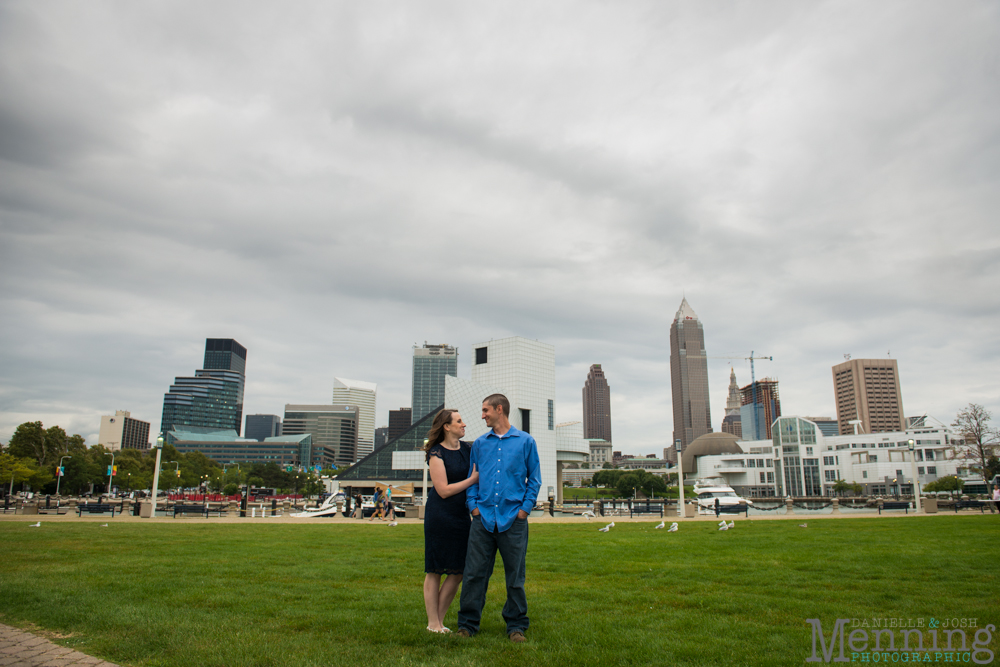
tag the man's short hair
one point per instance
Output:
(498, 401)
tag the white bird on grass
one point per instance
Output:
(604, 530)
(104, 525)
(722, 523)
(732, 523)
(35, 525)
(673, 528)
(803, 525)
(392, 523)
(589, 515)
(724, 526)
(661, 525)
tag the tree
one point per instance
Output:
(28, 442)
(840, 487)
(15, 469)
(979, 438)
(951, 483)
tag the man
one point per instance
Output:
(509, 480)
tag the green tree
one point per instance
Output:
(951, 484)
(28, 442)
(15, 470)
(979, 438)
(230, 489)
(840, 487)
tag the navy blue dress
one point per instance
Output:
(447, 520)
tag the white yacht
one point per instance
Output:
(711, 488)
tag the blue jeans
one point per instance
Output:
(483, 546)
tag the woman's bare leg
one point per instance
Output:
(431, 600)
(447, 593)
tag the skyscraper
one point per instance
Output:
(334, 430)
(431, 364)
(120, 431)
(361, 394)
(868, 390)
(400, 420)
(761, 406)
(259, 427)
(213, 397)
(732, 422)
(596, 405)
(689, 377)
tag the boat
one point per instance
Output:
(710, 489)
(328, 508)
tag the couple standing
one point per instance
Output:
(499, 497)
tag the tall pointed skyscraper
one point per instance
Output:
(731, 423)
(689, 377)
(596, 405)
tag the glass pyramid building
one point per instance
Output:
(377, 466)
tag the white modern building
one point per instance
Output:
(800, 461)
(361, 394)
(120, 431)
(524, 371)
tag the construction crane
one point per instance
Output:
(753, 384)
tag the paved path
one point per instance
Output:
(23, 649)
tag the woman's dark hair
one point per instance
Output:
(436, 434)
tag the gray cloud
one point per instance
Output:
(330, 185)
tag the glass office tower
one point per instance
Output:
(213, 397)
(431, 364)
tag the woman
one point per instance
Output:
(446, 519)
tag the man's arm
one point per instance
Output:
(472, 493)
(534, 481)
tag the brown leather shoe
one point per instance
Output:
(518, 637)
(462, 632)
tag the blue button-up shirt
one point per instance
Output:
(510, 476)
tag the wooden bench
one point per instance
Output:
(94, 508)
(895, 505)
(742, 508)
(970, 504)
(191, 509)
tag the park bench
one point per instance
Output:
(970, 504)
(742, 508)
(640, 508)
(95, 508)
(191, 509)
(894, 505)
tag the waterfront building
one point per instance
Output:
(362, 395)
(121, 431)
(213, 397)
(381, 436)
(867, 390)
(259, 427)
(334, 428)
(689, 377)
(226, 446)
(431, 365)
(596, 405)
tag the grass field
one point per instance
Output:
(218, 594)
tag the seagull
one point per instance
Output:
(611, 525)
(673, 528)
(803, 525)
(104, 525)
(392, 523)
(590, 515)
(604, 530)
(661, 525)
(722, 523)
(724, 526)
(35, 525)
(731, 524)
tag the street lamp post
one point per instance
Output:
(156, 472)
(60, 475)
(111, 471)
(916, 480)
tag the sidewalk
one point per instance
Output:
(23, 649)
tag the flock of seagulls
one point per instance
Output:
(726, 526)
(673, 526)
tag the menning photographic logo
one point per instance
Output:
(874, 640)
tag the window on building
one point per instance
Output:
(770, 478)
(831, 475)
(480, 355)
(552, 414)
(828, 460)
(920, 470)
(899, 473)
(763, 478)
(525, 420)
(864, 473)
(928, 454)
(931, 470)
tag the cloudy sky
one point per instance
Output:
(330, 183)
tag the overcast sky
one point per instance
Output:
(330, 183)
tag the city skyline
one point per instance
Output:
(813, 201)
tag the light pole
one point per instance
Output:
(156, 472)
(111, 471)
(680, 479)
(60, 475)
(916, 480)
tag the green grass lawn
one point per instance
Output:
(318, 594)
